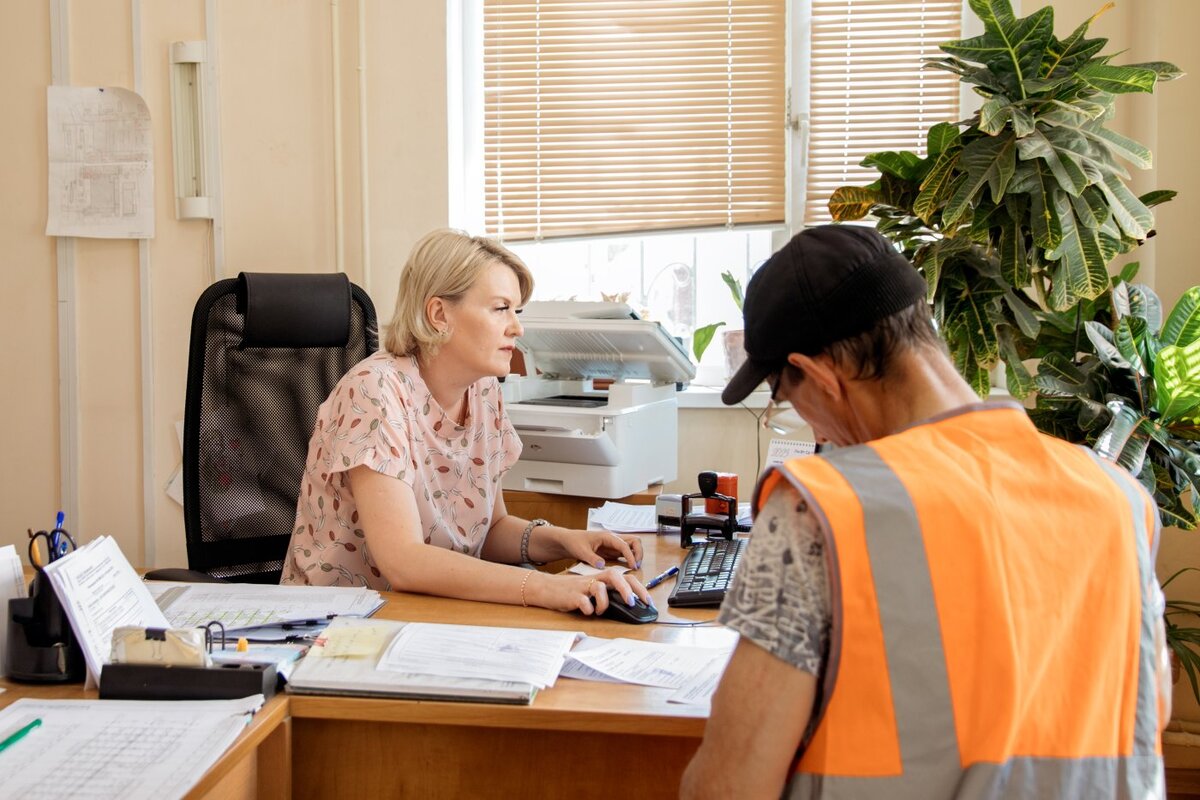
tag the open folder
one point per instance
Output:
(345, 661)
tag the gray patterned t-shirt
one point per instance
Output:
(780, 596)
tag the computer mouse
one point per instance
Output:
(637, 614)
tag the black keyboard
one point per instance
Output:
(706, 572)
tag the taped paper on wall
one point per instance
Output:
(101, 163)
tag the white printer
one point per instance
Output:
(582, 440)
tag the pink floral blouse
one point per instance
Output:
(382, 415)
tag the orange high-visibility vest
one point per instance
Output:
(993, 617)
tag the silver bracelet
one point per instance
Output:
(533, 523)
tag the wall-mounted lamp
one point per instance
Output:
(188, 126)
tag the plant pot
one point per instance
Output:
(735, 350)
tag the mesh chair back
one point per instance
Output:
(266, 350)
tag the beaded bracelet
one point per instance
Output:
(524, 581)
(533, 523)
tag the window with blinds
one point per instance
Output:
(868, 89)
(614, 116)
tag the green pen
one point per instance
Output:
(19, 735)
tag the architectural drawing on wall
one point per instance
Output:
(101, 163)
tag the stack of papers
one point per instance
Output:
(100, 592)
(128, 749)
(369, 658)
(624, 518)
(262, 612)
(519, 655)
(693, 671)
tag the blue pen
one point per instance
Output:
(58, 523)
(662, 576)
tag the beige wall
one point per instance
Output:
(278, 170)
(277, 158)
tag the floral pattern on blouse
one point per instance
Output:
(382, 415)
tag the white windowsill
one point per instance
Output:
(696, 396)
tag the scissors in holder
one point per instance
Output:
(65, 544)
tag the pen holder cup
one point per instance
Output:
(41, 646)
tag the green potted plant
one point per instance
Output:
(1184, 641)
(702, 337)
(1017, 211)
(1014, 217)
(1131, 391)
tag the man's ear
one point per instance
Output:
(822, 371)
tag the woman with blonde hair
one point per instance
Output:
(401, 489)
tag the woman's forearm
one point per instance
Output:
(418, 567)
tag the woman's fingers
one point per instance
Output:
(627, 586)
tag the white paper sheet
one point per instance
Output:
(472, 651)
(99, 590)
(101, 163)
(624, 518)
(241, 606)
(127, 749)
(650, 663)
(12, 585)
(572, 668)
(698, 689)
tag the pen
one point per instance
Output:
(18, 735)
(662, 576)
(59, 519)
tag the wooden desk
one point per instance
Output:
(578, 739)
(567, 511)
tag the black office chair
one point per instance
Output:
(266, 351)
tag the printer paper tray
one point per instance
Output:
(568, 447)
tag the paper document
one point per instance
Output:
(100, 591)
(127, 749)
(101, 151)
(12, 586)
(574, 668)
(624, 518)
(342, 662)
(580, 568)
(242, 606)
(698, 689)
(473, 651)
(650, 663)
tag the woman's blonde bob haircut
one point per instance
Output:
(444, 263)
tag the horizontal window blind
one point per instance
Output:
(609, 116)
(869, 90)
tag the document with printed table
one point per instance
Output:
(127, 749)
(370, 658)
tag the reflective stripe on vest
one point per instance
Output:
(917, 682)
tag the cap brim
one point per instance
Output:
(745, 381)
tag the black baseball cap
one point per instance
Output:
(827, 284)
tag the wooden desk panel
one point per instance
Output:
(377, 759)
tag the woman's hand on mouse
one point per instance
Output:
(587, 593)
